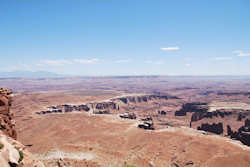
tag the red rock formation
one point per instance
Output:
(148, 125)
(128, 116)
(191, 107)
(199, 115)
(143, 98)
(213, 128)
(10, 154)
(243, 133)
(7, 124)
(105, 107)
(162, 112)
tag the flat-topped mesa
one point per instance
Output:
(192, 107)
(196, 116)
(242, 134)
(106, 106)
(225, 118)
(233, 93)
(209, 110)
(114, 104)
(142, 98)
(7, 124)
(216, 128)
(65, 108)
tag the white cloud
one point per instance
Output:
(122, 61)
(157, 62)
(18, 67)
(241, 53)
(56, 62)
(223, 58)
(173, 48)
(63, 62)
(187, 64)
(86, 61)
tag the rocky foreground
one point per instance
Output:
(15, 154)
(12, 152)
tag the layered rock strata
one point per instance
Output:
(12, 153)
(7, 124)
(105, 107)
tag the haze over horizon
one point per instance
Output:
(134, 37)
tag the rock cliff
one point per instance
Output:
(191, 107)
(213, 128)
(7, 124)
(107, 106)
(242, 134)
(12, 153)
(231, 119)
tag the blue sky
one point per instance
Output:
(126, 37)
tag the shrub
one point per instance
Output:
(21, 156)
(1, 145)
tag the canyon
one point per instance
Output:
(142, 121)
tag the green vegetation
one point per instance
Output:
(1, 145)
(21, 156)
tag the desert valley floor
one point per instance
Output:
(143, 121)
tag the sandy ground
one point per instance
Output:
(111, 141)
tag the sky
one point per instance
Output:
(126, 37)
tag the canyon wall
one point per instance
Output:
(12, 152)
(105, 107)
(7, 124)
(232, 122)
(242, 134)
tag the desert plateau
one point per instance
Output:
(149, 121)
(124, 83)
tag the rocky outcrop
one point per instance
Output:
(147, 119)
(202, 110)
(143, 98)
(162, 112)
(12, 153)
(211, 117)
(104, 107)
(245, 138)
(242, 134)
(8, 153)
(109, 105)
(243, 114)
(64, 109)
(191, 107)
(180, 113)
(216, 128)
(101, 112)
(128, 115)
(196, 116)
(147, 123)
(7, 124)
(233, 93)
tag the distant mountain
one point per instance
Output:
(29, 74)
